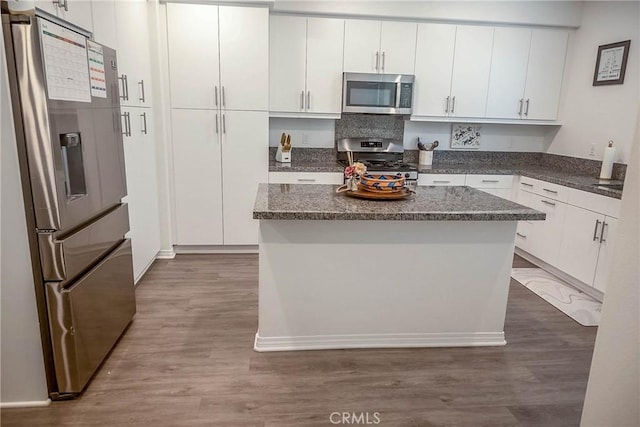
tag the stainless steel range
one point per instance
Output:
(380, 155)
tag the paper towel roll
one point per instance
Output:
(607, 161)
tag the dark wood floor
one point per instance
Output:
(187, 360)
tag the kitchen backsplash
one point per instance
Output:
(370, 126)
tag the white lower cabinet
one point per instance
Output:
(578, 234)
(334, 178)
(219, 159)
(498, 185)
(142, 187)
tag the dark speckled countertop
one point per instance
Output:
(321, 202)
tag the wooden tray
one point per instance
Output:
(383, 195)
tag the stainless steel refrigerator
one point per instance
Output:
(64, 91)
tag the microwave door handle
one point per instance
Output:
(398, 92)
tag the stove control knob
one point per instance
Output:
(406, 175)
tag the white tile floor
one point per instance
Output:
(571, 301)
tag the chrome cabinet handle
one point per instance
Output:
(306, 180)
(441, 182)
(216, 95)
(125, 87)
(142, 97)
(224, 123)
(377, 61)
(446, 109)
(308, 100)
(144, 122)
(546, 202)
(383, 60)
(604, 224)
(216, 123)
(453, 104)
(224, 104)
(490, 180)
(526, 110)
(127, 123)
(302, 100)
(595, 230)
(520, 109)
(550, 191)
(521, 235)
(527, 184)
(62, 4)
(66, 5)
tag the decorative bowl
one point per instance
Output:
(379, 183)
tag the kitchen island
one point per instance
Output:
(335, 272)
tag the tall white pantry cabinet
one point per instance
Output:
(218, 72)
(123, 25)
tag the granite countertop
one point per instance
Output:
(321, 202)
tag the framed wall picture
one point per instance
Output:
(465, 136)
(611, 63)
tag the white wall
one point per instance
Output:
(552, 13)
(596, 114)
(613, 391)
(21, 362)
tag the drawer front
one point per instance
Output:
(334, 178)
(504, 193)
(523, 235)
(489, 181)
(553, 191)
(441, 179)
(595, 202)
(528, 184)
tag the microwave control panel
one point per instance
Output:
(406, 90)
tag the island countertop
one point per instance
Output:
(321, 202)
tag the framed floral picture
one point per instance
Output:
(465, 136)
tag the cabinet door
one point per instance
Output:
(548, 233)
(142, 189)
(607, 237)
(544, 74)
(508, 72)
(133, 51)
(244, 57)
(471, 66)
(361, 46)
(197, 176)
(48, 6)
(325, 41)
(398, 47)
(287, 57)
(192, 32)
(580, 243)
(104, 22)
(78, 12)
(245, 154)
(434, 65)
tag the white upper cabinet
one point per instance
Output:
(471, 68)
(104, 22)
(379, 47)
(544, 74)
(398, 47)
(434, 66)
(78, 12)
(325, 39)
(287, 63)
(134, 60)
(193, 39)
(526, 73)
(361, 46)
(218, 56)
(244, 57)
(508, 72)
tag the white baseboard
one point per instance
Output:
(166, 254)
(30, 404)
(589, 290)
(136, 280)
(328, 342)
(216, 249)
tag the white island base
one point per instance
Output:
(383, 284)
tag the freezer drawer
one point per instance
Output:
(63, 257)
(87, 318)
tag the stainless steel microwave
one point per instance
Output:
(377, 93)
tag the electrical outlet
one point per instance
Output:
(592, 151)
(304, 139)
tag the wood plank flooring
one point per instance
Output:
(187, 360)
